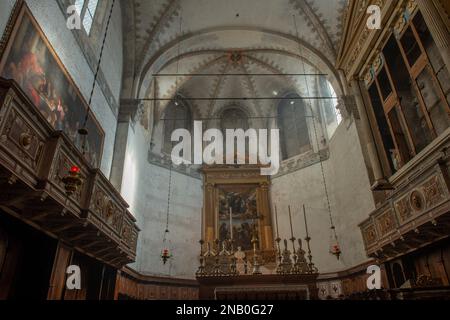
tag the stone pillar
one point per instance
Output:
(368, 137)
(209, 212)
(129, 113)
(120, 148)
(344, 111)
(266, 221)
(437, 28)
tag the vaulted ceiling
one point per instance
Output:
(229, 37)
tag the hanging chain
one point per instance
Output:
(333, 228)
(83, 131)
(178, 58)
(168, 204)
(166, 231)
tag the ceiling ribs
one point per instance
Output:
(317, 23)
(222, 51)
(219, 84)
(316, 52)
(256, 60)
(186, 79)
(251, 87)
(271, 68)
(167, 13)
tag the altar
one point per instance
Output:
(240, 256)
(259, 287)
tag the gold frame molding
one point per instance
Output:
(239, 176)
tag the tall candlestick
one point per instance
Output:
(292, 233)
(290, 222)
(231, 223)
(306, 223)
(276, 221)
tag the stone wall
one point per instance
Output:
(350, 198)
(145, 187)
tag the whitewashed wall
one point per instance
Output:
(51, 19)
(350, 197)
(145, 187)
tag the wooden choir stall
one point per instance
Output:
(45, 225)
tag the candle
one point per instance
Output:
(276, 221)
(231, 223)
(290, 222)
(306, 223)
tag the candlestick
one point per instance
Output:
(231, 224)
(292, 233)
(290, 222)
(312, 268)
(306, 223)
(276, 221)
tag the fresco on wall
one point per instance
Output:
(242, 202)
(32, 63)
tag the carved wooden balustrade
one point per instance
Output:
(417, 210)
(34, 158)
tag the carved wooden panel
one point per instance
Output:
(20, 137)
(60, 168)
(370, 234)
(106, 208)
(403, 209)
(434, 191)
(129, 233)
(385, 222)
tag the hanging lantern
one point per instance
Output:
(165, 255)
(335, 248)
(72, 181)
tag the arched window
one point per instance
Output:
(176, 116)
(330, 112)
(86, 9)
(294, 135)
(234, 118)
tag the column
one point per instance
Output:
(129, 113)
(437, 28)
(266, 221)
(345, 90)
(209, 212)
(368, 137)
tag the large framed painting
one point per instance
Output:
(240, 202)
(30, 60)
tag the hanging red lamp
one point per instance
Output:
(165, 255)
(72, 180)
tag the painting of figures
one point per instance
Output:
(241, 202)
(31, 62)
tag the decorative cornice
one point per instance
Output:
(302, 161)
(162, 22)
(164, 161)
